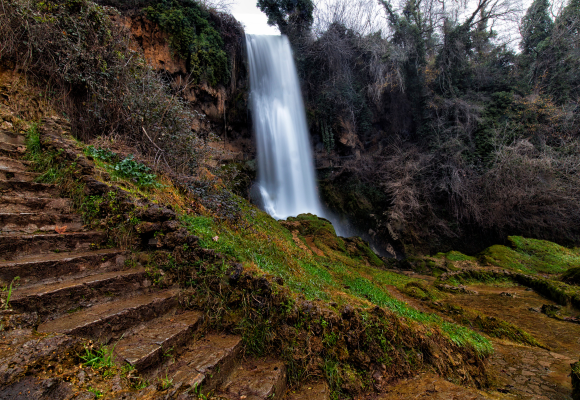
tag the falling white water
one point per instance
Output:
(285, 167)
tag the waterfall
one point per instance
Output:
(286, 180)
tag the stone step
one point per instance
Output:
(19, 204)
(11, 138)
(38, 222)
(77, 292)
(18, 176)
(145, 347)
(10, 164)
(205, 364)
(15, 246)
(259, 379)
(310, 391)
(27, 189)
(40, 267)
(107, 321)
(12, 150)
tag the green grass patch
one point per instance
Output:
(266, 244)
(532, 256)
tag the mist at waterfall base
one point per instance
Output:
(286, 184)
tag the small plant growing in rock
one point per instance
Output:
(100, 358)
(8, 290)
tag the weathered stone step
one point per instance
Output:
(206, 363)
(10, 164)
(12, 150)
(261, 379)
(35, 268)
(145, 347)
(310, 391)
(19, 204)
(74, 292)
(15, 246)
(39, 222)
(15, 170)
(12, 138)
(107, 321)
(27, 189)
(20, 176)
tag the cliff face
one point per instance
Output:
(221, 109)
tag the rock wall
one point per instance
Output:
(221, 109)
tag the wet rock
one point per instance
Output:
(148, 227)
(235, 273)
(116, 384)
(34, 388)
(156, 213)
(348, 312)
(170, 226)
(93, 187)
(32, 353)
(551, 309)
(81, 376)
(455, 289)
(179, 238)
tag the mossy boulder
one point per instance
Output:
(319, 234)
(572, 276)
(531, 256)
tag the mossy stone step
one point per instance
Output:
(40, 267)
(259, 379)
(146, 347)
(12, 165)
(20, 176)
(13, 151)
(75, 292)
(19, 204)
(12, 138)
(310, 391)
(12, 223)
(27, 189)
(206, 363)
(14, 246)
(107, 321)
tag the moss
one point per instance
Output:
(572, 276)
(457, 256)
(532, 256)
(193, 37)
(576, 381)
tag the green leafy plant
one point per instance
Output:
(101, 154)
(136, 172)
(98, 393)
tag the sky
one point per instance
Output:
(255, 21)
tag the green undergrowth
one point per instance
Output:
(532, 256)
(123, 168)
(303, 292)
(553, 289)
(262, 242)
(576, 381)
(572, 276)
(193, 37)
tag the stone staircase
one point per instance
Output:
(72, 286)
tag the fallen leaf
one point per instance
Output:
(60, 229)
